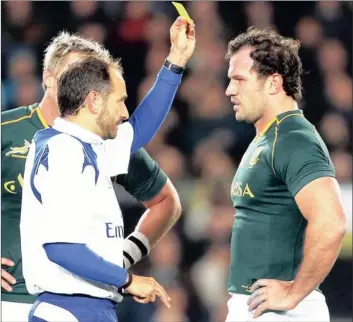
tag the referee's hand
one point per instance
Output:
(6, 278)
(145, 290)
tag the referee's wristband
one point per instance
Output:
(128, 283)
(174, 68)
(135, 247)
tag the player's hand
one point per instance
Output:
(145, 290)
(270, 294)
(6, 279)
(182, 38)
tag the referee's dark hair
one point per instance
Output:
(82, 77)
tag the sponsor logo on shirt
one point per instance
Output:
(239, 190)
(113, 231)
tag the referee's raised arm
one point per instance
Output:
(153, 109)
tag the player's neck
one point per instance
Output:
(281, 106)
(49, 110)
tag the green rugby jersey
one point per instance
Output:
(144, 181)
(17, 130)
(268, 231)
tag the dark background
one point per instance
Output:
(200, 144)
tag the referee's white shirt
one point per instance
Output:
(68, 197)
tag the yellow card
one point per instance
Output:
(181, 10)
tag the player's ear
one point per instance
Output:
(48, 79)
(275, 84)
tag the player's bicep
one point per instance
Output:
(145, 179)
(298, 161)
(320, 201)
(167, 191)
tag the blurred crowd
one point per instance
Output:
(200, 144)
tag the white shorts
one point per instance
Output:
(312, 308)
(15, 312)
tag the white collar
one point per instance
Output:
(77, 131)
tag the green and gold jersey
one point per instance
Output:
(268, 231)
(144, 181)
(17, 130)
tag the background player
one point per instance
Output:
(289, 222)
(145, 180)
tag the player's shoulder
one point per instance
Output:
(296, 129)
(145, 179)
(140, 156)
(143, 164)
(16, 115)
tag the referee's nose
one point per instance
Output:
(124, 113)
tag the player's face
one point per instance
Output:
(245, 90)
(114, 110)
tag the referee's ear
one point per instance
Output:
(94, 101)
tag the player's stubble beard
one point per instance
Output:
(254, 109)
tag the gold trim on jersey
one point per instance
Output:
(41, 118)
(21, 118)
(278, 122)
(294, 114)
(268, 125)
(273, 149)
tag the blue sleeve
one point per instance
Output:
(80, 260)
(154, 108)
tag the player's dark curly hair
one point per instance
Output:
(82, 77)
(272, 53)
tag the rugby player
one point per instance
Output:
(289, 220)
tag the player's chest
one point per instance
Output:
(254, 173)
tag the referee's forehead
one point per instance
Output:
(117, 81)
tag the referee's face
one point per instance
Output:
(114, 111)
(245, 90)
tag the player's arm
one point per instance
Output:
(320, 203)
(6, 279)
(154, 108)
(302, 162)
(151, 186)
(162, 213)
